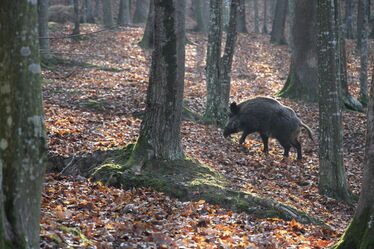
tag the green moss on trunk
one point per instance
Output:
(359, 234)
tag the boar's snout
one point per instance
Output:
(226, 133)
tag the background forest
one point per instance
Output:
(95, 75)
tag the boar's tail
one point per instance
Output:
(310, 132)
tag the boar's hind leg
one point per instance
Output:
(265, 141)
(297, 146)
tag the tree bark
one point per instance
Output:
(76, 30)
(199, 7)
(255, 9)
(279, 23)
(219, 69)
(359, 233)
(108, 17)
(90, 18)
(302, 81)
(265, 26)
(124, 13)
(212, 111)
(45, 51)
(159, 136)
(22, 133)
(364, 51)
(349, 19)
(241, 25)
(332, 180)
(140, 14)
(147, 41)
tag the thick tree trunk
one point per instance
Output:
(359, 233)
(199, 7)
(108, 17)
(159, 136)
(124, 13)
(279, 23)
(22, 134)
(265, 26)
(212, 111)
(302, 81)
(76, 30)
(147, 41)
(332, 181)
(241, 25)
(140, 14)
(255, 9)
(348, 20)
(45, 51)
(364, 52)
(90, 18)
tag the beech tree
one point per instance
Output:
(124, 13)
(277, 34)
(45, 51)
(218, 69)
(199, 8)
(22, 132)
(359, 233)
(147, 39)
(76, 30)
(332, 176)
(302, 81)
(108, 16)
(241, 18)
(159, 136)
(363, 49)
(140, 13)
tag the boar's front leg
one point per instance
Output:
(244, 135)
(265, 141)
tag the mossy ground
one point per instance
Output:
(189, 180)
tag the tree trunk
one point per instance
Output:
(97, 8)
(302, 81)
(159, 136)
(219, 69)
(255, 9)
(45, 51)
(349, 19)
(279, 23)
(264, 26)
(362, 14)
(227, 58)
(241, 22)
(364, 51)
(124, 13)
(359, 233)
(140, 14)
(147, 41)
(22, 133)
(199, 8)
(90, 18)
(108, 17)
(212, 111)
(332, 181)
(76, 30)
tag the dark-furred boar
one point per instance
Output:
(269, 118)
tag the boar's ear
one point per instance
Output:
(234, 108)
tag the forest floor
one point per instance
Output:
(91, 102)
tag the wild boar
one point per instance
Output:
(269, 118)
